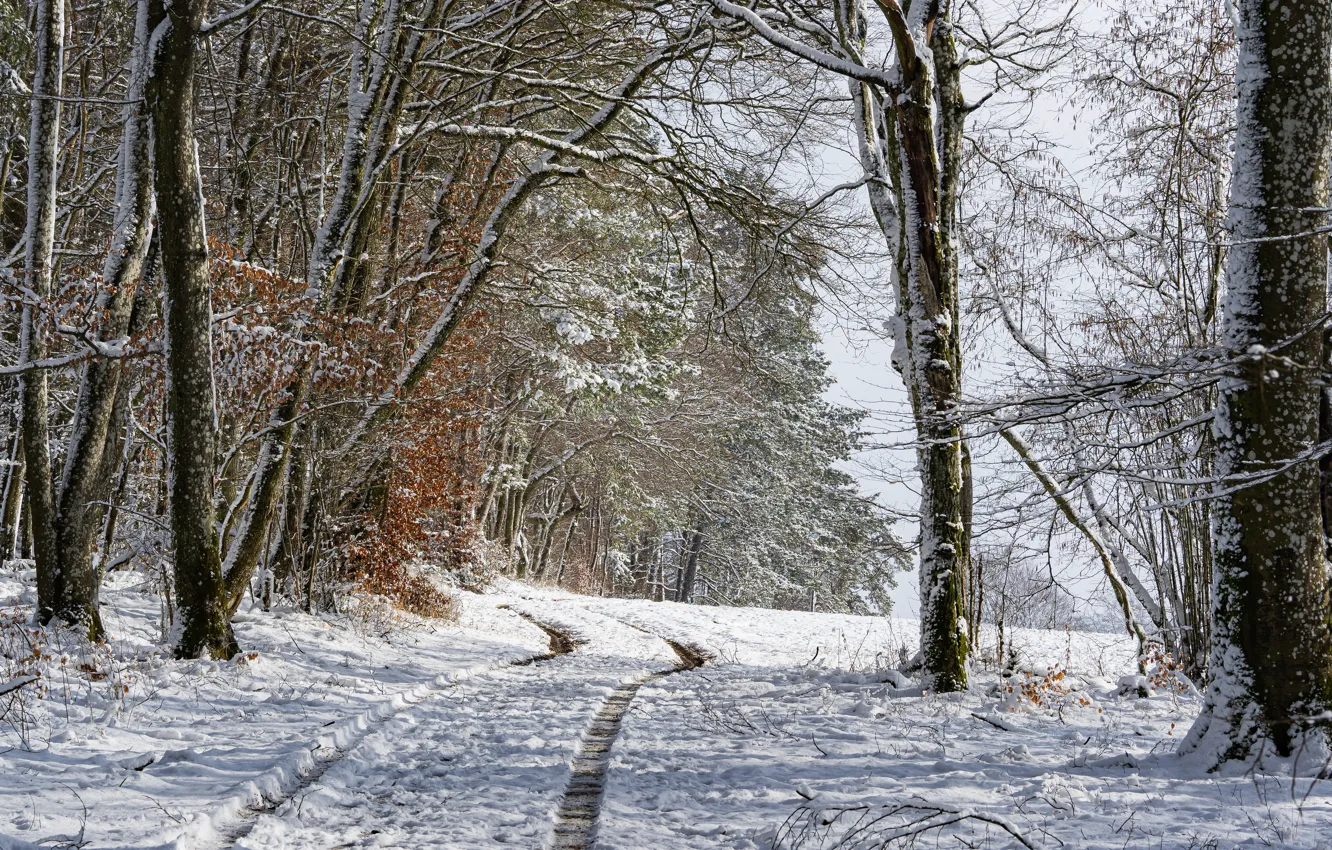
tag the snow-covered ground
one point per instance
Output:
(376, 730)
(145, 751)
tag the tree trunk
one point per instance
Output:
(14, 496)
(640, 567)
(1324, 435)
(12, 502)
(292, 541)
(247, 544)
(43, 148)
(1114, 565)
(187, 308)
(94, 437)
(564, 551)
(918, 158)
(1271, 658)
(659, 573)
(685, 592)
(968, 590)
(926, 180)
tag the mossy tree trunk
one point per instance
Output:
(1271, 658)
(202, 628)
(925, 115)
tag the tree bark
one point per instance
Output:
(1324, 436)
(292, 537)
(1271, 658)
(685, 592)
(247, 543)
(43, 148)
(187, 309)
(929, 156)
(15, 497)
(94, 437)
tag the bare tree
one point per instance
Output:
(43, 149)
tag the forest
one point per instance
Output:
(312, 301)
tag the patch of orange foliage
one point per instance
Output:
(426, 512)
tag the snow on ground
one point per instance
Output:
(194, 741)
(796, 731)
(754, 636)
(722, 758)
(759, 750)
(483, 765)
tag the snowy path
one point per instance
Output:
(495, 761)
(350, 732)
(797, 738)
(325, 757)
(150, 752)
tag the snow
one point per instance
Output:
(483, 766)
(219, 735)
(373, 729)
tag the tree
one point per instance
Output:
(1137, 255)
(16, 48)
(909, 124)
(204, 627)
(99, 415)
(43, 149)
(927, 118)
(544, 251)
(1271, 662)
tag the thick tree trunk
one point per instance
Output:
(187, 308)
(94, 437)
(910, 138)
(1271, 659)
(43, 144)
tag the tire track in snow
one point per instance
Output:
(241, 819)
(561, 642)
(576, 816)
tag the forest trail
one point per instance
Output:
(547, 720)
(517, 756)
(573, 823)
(325, 757)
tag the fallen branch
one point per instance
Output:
(14, 684)
(877, 827)
(998, 724)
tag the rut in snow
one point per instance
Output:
(561, 643)
(324, 758)
(576, 817)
